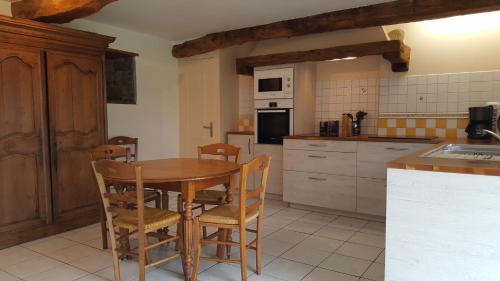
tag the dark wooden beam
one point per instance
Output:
(56, 11)
(397, 53)
(394, 12)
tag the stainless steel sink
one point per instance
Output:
(466, 152)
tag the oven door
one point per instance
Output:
(273, 124)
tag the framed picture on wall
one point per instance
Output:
(120, 77)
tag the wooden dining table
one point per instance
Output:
(187, 176)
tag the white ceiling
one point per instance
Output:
(178, 20)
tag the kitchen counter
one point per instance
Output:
(370, 138)
(477, 167)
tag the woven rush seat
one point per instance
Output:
(215, 196)
(153, 219)
(226, 215)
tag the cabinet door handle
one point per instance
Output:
(249, 151)
(396, 149)
(317, 156)
(316, 179)
(317, 145)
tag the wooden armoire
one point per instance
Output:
(52, 111)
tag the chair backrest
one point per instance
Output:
(130, 142)
(252, 199)
(111, 152)
(220, 149)
(110, 172)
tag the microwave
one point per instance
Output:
(273, 83)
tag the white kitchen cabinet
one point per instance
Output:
(321, 190)
(246, 144)
(321, 145)
(335, 163)
(275, 178)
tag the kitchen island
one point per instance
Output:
(443, 218)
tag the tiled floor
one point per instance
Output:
(298, 245)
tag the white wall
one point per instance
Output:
(155, 117)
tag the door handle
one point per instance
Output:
(211, 128)
(249, 151)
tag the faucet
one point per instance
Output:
(492, 133)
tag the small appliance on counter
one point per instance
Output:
(480, 119)
(351, 127)
(329, 128)
(356, 124)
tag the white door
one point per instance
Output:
(199, 104)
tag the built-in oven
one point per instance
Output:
(274, 83)
(273, 120)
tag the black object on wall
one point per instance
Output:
(120, 77)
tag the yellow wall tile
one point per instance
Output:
(391, 132)
(411, 132)
(401, 123)
(451, 133)
(420, 123)
(382, 123)
(430, 132)
(441, 123)
(462, 123)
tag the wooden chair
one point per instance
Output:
(229, 217)
(211, 197)
(128, 212)
(116, 152)
(133, 144)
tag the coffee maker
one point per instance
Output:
(480, 119)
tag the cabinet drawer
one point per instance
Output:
(375, 170)
(386, 151)
(327, 191)
(371, 196)
(335, 163)
(321, 145)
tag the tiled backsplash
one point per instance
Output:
(422, 127)
(443, 93)
(245, 123)
(335, 97)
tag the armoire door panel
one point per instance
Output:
(77, 125)
(24, 175)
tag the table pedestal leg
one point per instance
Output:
(188, 196)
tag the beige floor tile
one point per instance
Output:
(82, 234)
(276, 222)
(374, 228)
(304, 226)
(334, 233)
(287, 270)
(73, 253)
(320, 274)
(14, 255)
(263, 277)
(306, 255)
(290, 213)
(162, 275)
(381, 258)
(94, 263)
(321, 243)
(222, 272)
(318, 218)
(91, 277)
(32, 266)
(290, 236)
(275, 247)
(375, 272)
(368, 239)
(51, 245)
(348, 223)
(176, 266)
(359, 251)
(129, 270)
(251, 259)
(60, 273)
(4, 276)
(344, 264)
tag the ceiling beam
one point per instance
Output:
(56, 11)
(397, 53)
(394, 12)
